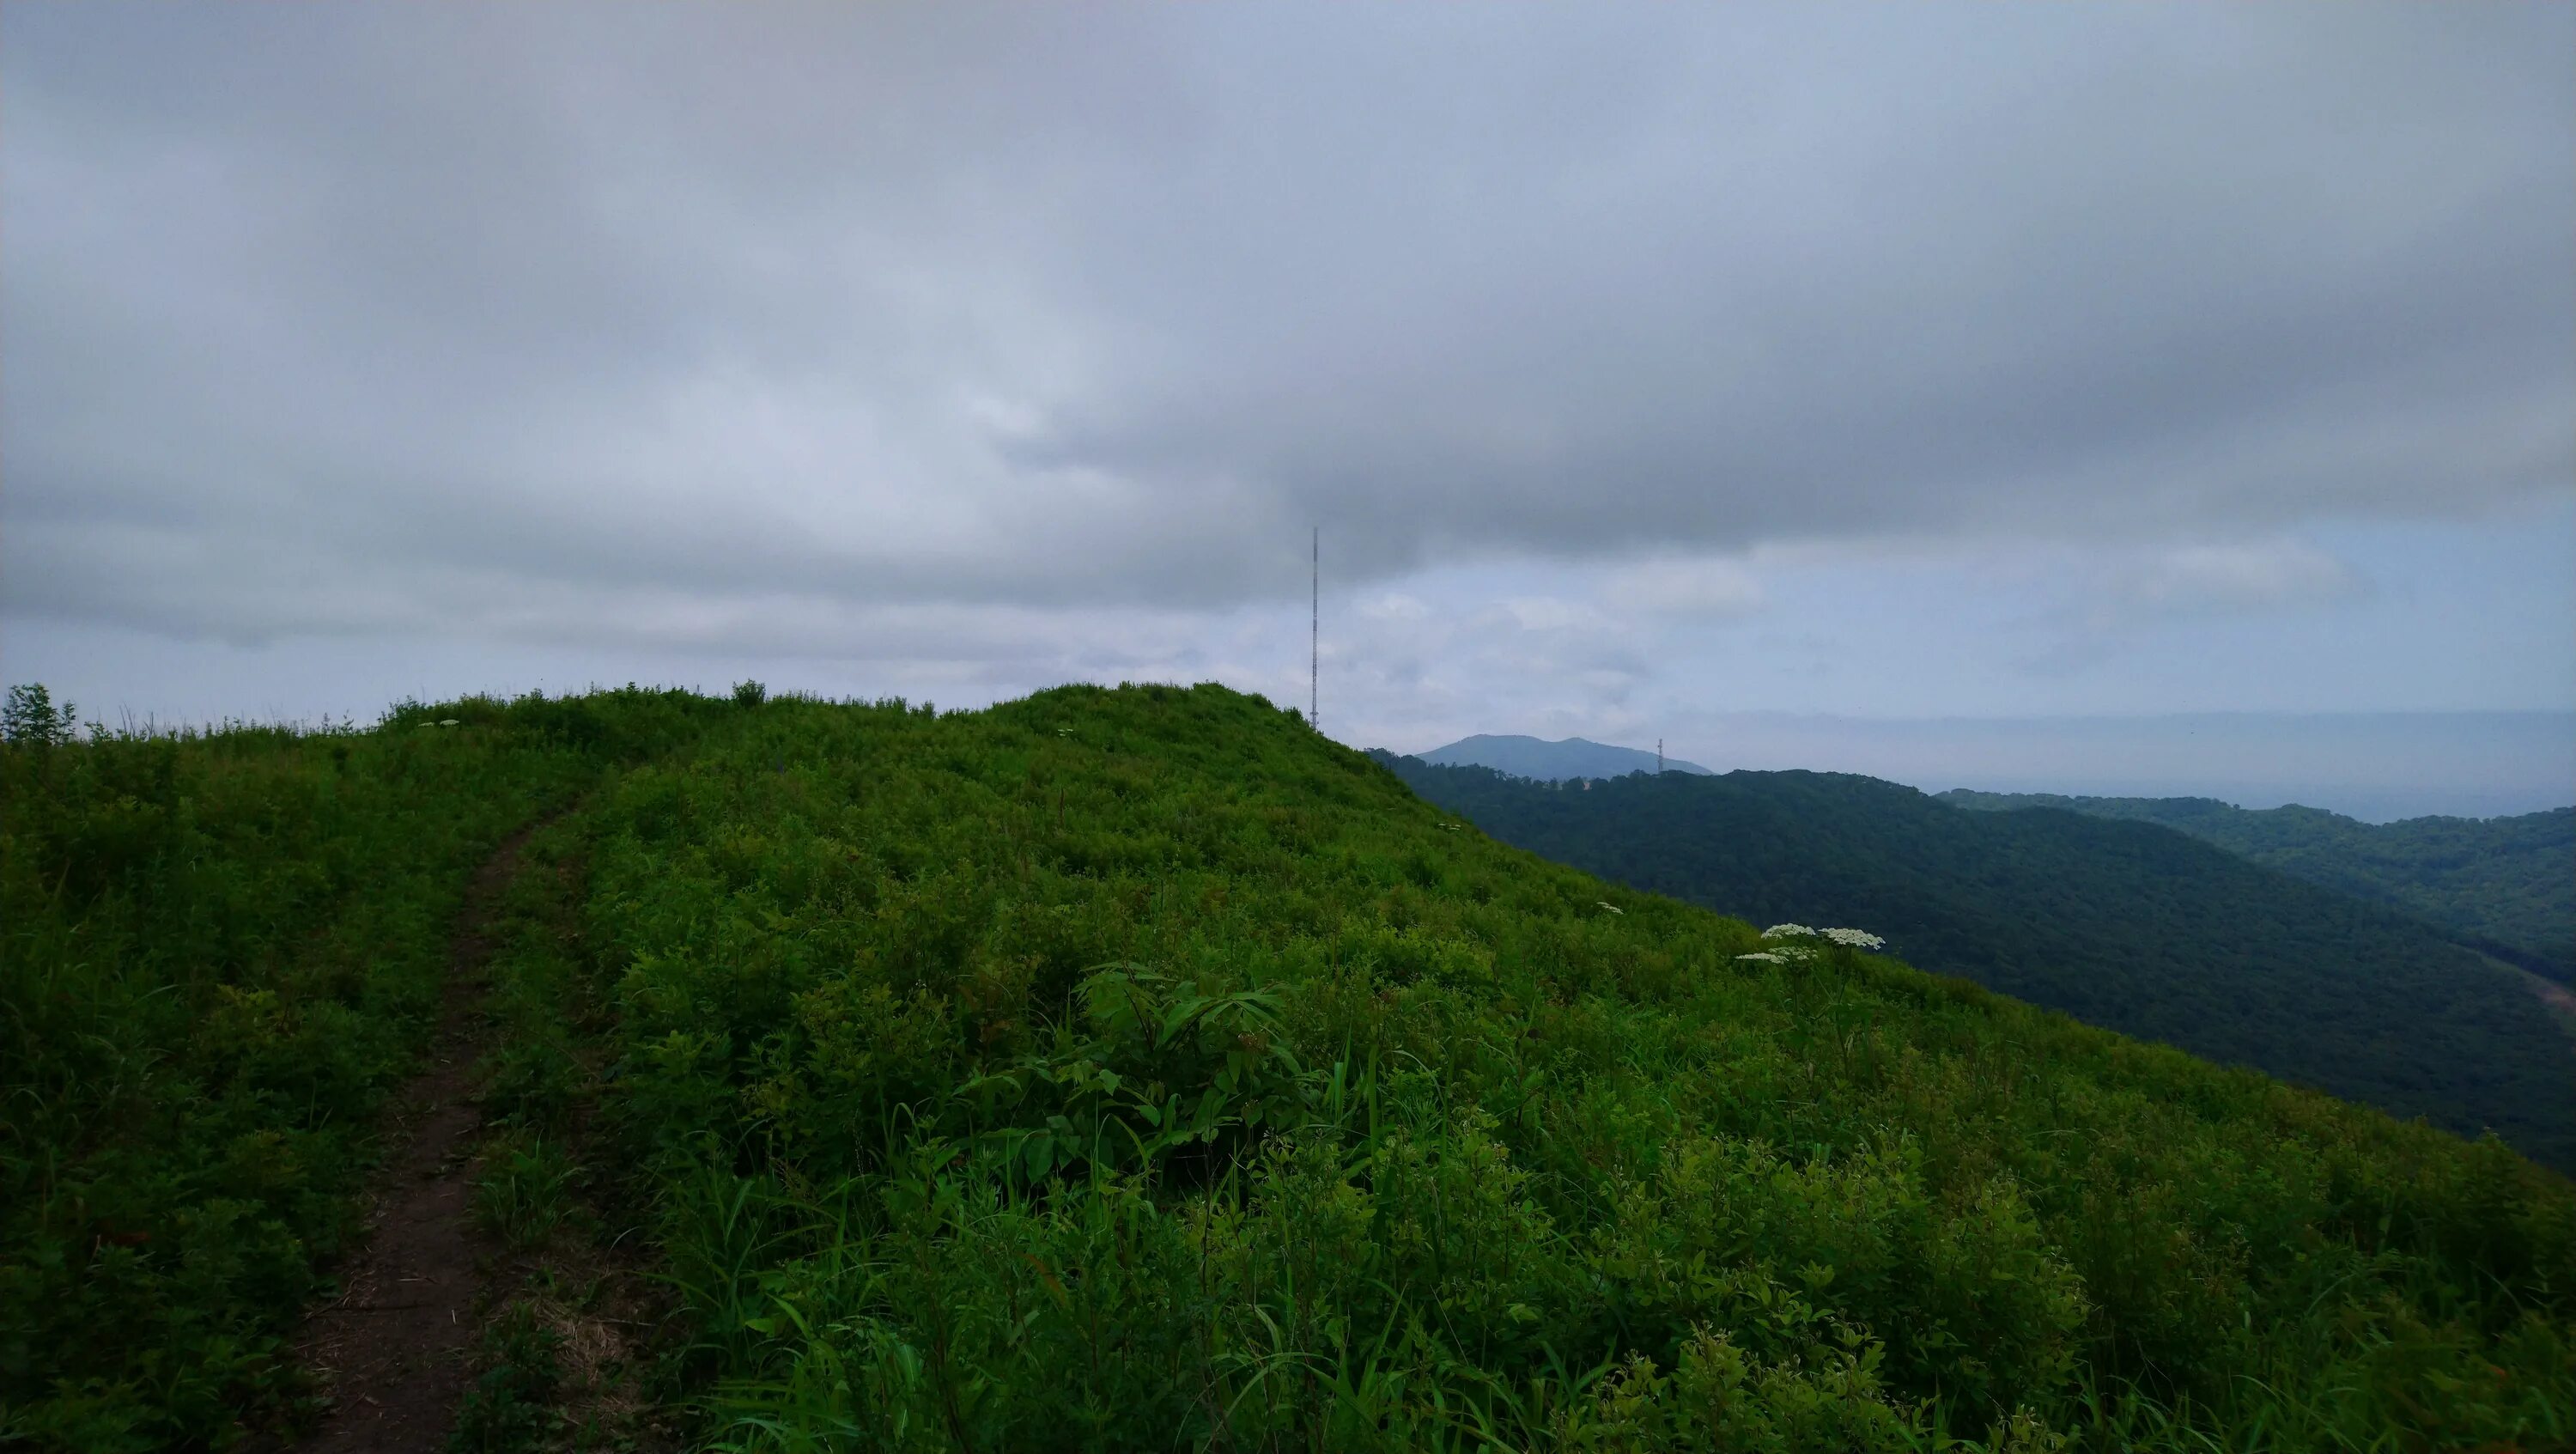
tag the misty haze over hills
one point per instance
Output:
(2377, 767)
(1533, 757)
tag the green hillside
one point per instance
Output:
(2504, 885)
(1136, 1069)
(217, 954)
(2125, 925)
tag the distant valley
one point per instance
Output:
(2132, 925)
(2505, 886)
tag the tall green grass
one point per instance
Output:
(1137, 1070)
(221, 949)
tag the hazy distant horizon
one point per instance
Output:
(2365, 802)
(2374, 766)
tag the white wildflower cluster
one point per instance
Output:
(1784, 949)
(1613, 908)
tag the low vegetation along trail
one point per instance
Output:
(1122, 1070)
(391, 1351)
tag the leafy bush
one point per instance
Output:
(523, 1190)
(509, 1407)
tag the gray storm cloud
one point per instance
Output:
(589, 321)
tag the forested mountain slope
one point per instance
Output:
(2503, 885)
(2127, 925)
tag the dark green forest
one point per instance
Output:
(1137, 1069)
(2506, 886)
(2129, 925)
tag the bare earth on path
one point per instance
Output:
(391, 1351)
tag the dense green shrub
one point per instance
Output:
(506, 1409)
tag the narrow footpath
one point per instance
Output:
(391, 1353)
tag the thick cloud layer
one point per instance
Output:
(899, 330)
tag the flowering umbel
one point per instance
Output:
(1792, 953)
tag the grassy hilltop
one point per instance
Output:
(1137, 1069)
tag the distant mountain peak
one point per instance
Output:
(1536, 757)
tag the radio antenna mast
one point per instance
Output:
(1315, 627)
(1659, 757)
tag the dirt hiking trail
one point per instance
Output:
(391, 1351)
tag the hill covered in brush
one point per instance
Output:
(2506, 886)
(1137, 1069)
(219, 952)
(2128, 925)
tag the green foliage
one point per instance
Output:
(30, 718)
(1136, 1069)
(509, 1407)
(587, 1382)
(2126, 925)
(2503, 885)
(1139, 1069)
(524, 1189)
(217, 953)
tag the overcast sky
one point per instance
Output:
(1640, 365)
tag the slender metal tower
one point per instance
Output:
(1315, 626)
(1659, 757)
